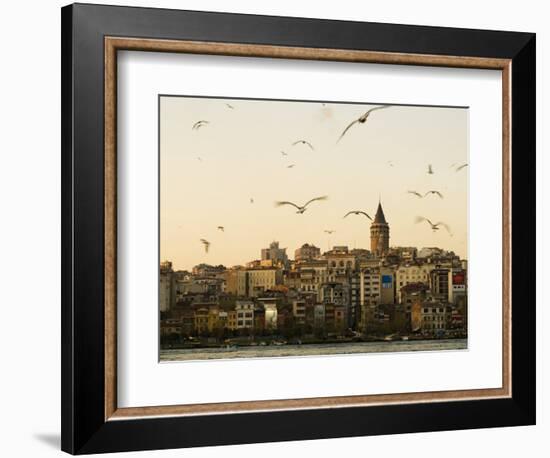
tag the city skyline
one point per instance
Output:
(231, 171)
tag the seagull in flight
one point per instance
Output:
(437, 193)
(284, 154)
(199, 158)
(303, 208)
(361, 119)
(357, 212)
(206, 244)
(460, 167)
(430, 169)
(415, 193)
(200, 124)
(290, 166)
(329, 231)
(434, 226)
(228, 105)
(221, 228)
(303, 142)
(251, 200)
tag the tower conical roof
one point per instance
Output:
(379, 217)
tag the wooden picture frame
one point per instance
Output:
(91, 37)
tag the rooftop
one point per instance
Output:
(379, 217)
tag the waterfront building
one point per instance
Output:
(433, 317)
(245, 314)
(306, 252)
(439, 283)
(457, 286)
(167, 287)
(236, 281)
(340, 263)
(231, 320)
(206, 270)
(319, 316)
(201, 319)
(404, 253)
(261, 280)
(413, 292)
(312, 274)
(276, 255)
(412, 273)
(387, 285)
(299, 311)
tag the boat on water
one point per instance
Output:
(278, 342)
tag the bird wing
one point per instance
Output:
(305, 142)
(417, 194)
(419, 219)
(445, 225)
(434, 192)
(199, 124)
(363, 213)
(310, 145)
(346, 129)
(376, 108)
(357, 212)
(285, 202)
(314, 199)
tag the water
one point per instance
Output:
(312, 350)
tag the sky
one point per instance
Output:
(208, 176)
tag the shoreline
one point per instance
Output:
(294, 350)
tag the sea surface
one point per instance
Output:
(312, 350)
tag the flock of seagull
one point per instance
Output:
(300, 209)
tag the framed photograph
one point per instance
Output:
(283, 228)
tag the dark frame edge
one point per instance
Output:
(523, 132)
(67, 369)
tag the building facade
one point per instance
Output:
(306, 252)
(274, 255)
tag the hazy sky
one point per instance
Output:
(241, 157)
